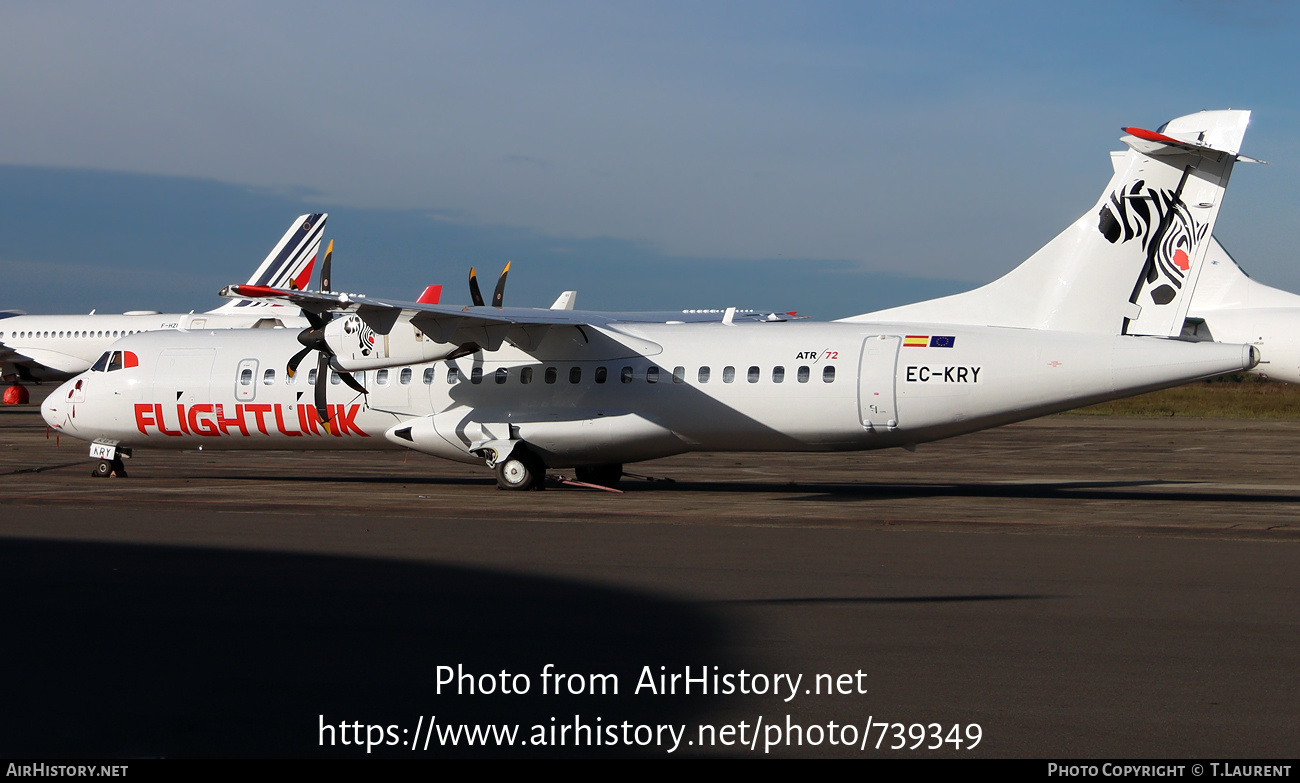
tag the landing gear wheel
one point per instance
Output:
(600, 475)
(107, 468)
(521, 471)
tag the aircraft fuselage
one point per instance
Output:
(589, 395)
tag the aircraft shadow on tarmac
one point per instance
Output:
(857, 491)
(126, 650)
(904, 599)
(1046, 490)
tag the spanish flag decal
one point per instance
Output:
(928, 341)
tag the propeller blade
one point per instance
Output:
(316, 320)
(296, 360)
(322, 386)
(500, 293)
(352, 382)
(325, 268)
(475, 295)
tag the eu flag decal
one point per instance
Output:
(938, 341)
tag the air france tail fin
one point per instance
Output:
(1130, 264)
(290, 263)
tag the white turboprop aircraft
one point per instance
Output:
(1094, 315)
(1230, 307)
(55, 347)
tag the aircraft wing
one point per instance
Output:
(441, 321)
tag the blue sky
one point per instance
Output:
(827, 157)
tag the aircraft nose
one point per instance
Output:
(55, 408)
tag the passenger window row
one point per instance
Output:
(628, 374)
(25, 334)
(551, 374)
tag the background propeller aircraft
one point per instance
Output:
(1230, 307)
(55, 347)
(1092, 316)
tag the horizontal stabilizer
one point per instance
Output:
(1155, 143)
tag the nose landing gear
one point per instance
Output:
(109, 467)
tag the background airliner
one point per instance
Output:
(55, 347)
(1096, 314)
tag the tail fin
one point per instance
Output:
(565, 301)
(1129, 265)
(290, 262)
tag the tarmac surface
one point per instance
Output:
(1078, 587)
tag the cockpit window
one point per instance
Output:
(101, 364)
(115, 361)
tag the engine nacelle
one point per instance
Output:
(356, 346)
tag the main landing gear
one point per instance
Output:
(600, 475)
(522, 470)
(109, 467)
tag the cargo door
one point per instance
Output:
(877, 400)
(184, 376)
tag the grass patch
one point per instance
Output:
(1237, 396)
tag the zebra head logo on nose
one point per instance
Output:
(1163, 224)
